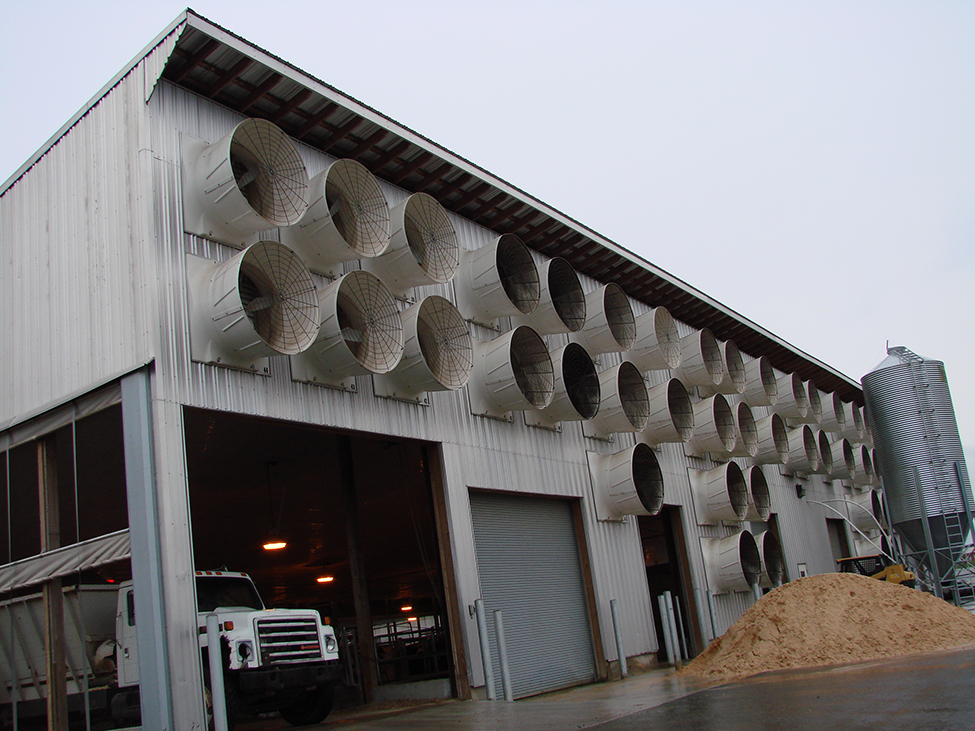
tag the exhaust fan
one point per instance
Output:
(864, 467)
(719, 493)
(610, 325)
(825, 453)
(625, 405)
(761, 387)
(361, 332)
(773, 440)
(866, 511)
(732, 563)
(834, 414)
(701, 363)
(733, 377)
(497, 280)
(513, 372)
(629, 482)
(671, 414)
(423, 248)
(714, 427)
(347, 217)
(803, 451)
(576, 389)
(259, 303)
(251, 180)
(815, 413)
(854, 423)
(746, 432)
(438, 352)
(844, 461)
(759, 498)
(773, 564)
(562, 303)
(657, 346)
(793, 403)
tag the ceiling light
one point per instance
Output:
(325, 579)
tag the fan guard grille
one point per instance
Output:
(358, 207)
(681, 409)
(532, 367)
(445, 342)
(735, 365)
(749, 558)
(772, 558)
(810, 447)
(269, 171)
(567, 296)
(279, 297)
(633, 395)
(826, 453)
(780, 435)
(737, 490)
(760, 493)
(581, 380)
(668, 338)
(370, 322)
(815, 402)
(711, 352)
(431, 237)
(747, 429)
(518, 273)
(619, 315)
(648, 479)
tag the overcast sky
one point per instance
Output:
(810, 165)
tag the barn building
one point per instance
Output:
(242, 305)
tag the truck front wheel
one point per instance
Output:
(310, 707)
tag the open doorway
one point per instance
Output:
(364, 539)
(666, 562)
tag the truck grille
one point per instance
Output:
(291, 640)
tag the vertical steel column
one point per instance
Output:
(928, 540)
(665, 625)
(503, 657)
(712, 611)
(482, 633)
(614, 610)
(147, 568)
(217, 694)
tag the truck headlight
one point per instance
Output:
(244, 651)
(330, 644)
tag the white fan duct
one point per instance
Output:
(610, 325)
(701, 363)
(814, 415)
(746, 432)
(671, 414)
(867, 433)
(875, 467)
(361, 332)
(759, 497)
(844, 461)
(513, 372)
(773, 563)
(561, 303)
(629, 482)
(854, 423)
(825, 453)
(657, 346)
(714, 427)
(733, 377)
(719, 494)
(625, 404)
(732, 563)
(497, 280)
(834, 414)
(252, 180)
(347, 218)
(423, 246)
(792, 404)
(773, 440)
(577, 392)
(438, 352)
(865, 473)
(259, 303)
(761, 386)
(804, 455)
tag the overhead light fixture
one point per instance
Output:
(274, 541)
(411, 619)
(325, 579)
(406, 609)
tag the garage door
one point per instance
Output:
(528, 564)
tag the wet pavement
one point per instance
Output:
(932, 691)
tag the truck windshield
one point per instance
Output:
(226, 591)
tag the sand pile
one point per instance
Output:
(833, 618)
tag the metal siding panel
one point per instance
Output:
(529, 568)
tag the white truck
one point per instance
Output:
(281, 660)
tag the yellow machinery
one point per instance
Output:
(877, 568)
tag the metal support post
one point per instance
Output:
(711, 611)
(665, 626)
(672, 621)
(482, 633)
(503, 657)
(217, 697)
(617, 630)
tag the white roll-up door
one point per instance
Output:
(528, 565)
